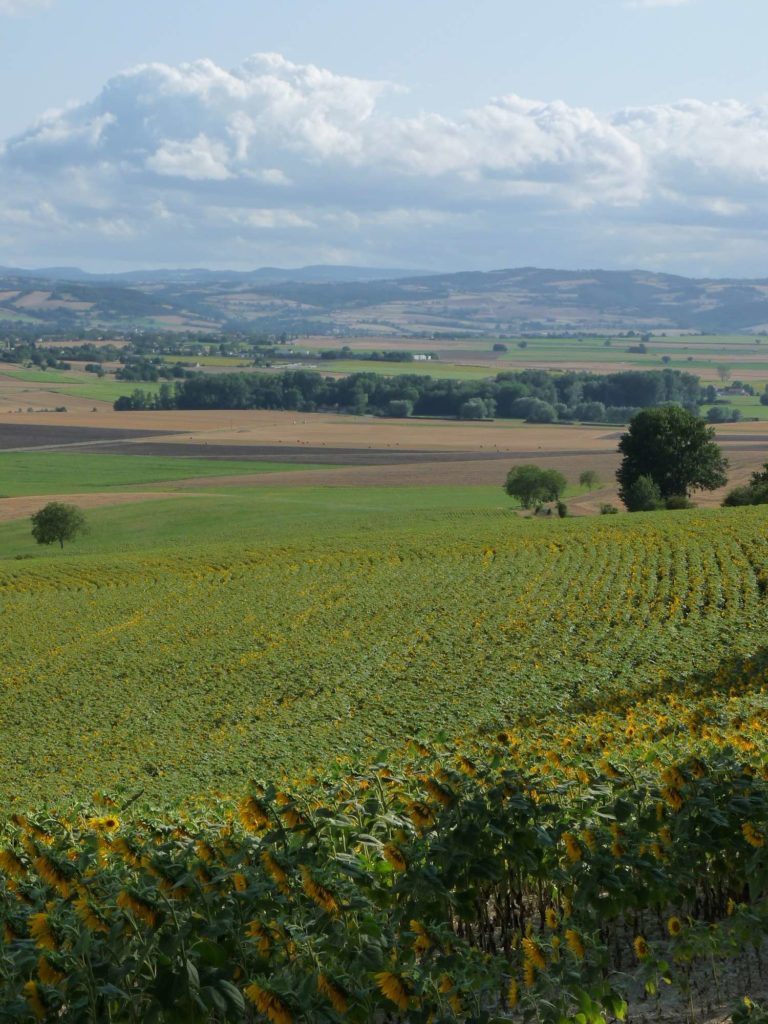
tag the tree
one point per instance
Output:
(675, 448)
(753, 493)
(723, 372)
(477, 409)
(589, 479)
(540, 412)
(57, 522)
(533, 485)
(642, 495)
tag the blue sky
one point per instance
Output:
(429, 133)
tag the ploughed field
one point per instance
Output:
(178, 670)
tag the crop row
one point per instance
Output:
(174, 675)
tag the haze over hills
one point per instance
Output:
(350, 300)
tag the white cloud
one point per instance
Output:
(657, 3)
(22, 6)
(277, 161)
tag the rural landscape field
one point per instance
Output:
(313, 711)
(383, 512)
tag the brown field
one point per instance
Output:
(360, 452)
(21, 508)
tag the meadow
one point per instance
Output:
(41, 473)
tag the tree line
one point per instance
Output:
(537, 396)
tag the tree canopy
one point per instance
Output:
(533, 485)
(57, 521)
(675, 449)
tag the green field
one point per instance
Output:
(437, 369)
(328, 611)
(32, 473)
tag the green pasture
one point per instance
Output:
(262, 515)
(71, 472)
(35, 376)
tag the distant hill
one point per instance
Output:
(364, 300)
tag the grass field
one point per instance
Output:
(34, 473)
(269, 515)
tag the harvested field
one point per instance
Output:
(20, 508)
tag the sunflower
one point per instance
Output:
(269, 1004)
(275, 872)
(106, 824)
(422, 942)
(143, 911)
(40, 930)
(572, 848)
(513, 993)
(52, 875)
(753, 837)
(550, 916)
(576, 946)
(318, 893)
(35, 1003)
(260, 934)
(11, 865)
(674, 926)
(335, 995)
(87, 915)
(641, 947)
(393, 988)
(533, 954)
(394, 856)
(253, 815)
(47, 973)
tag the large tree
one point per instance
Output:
(57, 521)
(675, 448)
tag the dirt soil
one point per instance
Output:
(20, 508)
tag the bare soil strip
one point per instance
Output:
(20, 508)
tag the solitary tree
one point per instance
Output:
(533, 485)
(589, 479)
(57, 522)
(675, 448)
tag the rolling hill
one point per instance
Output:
(348, 300)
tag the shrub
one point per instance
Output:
(678, 501)
(642, 495)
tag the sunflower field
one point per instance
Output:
(504, 771)
(173, 674)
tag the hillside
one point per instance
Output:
(347, 300)
(185, 670)
(251, 811)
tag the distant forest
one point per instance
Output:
(537, 396)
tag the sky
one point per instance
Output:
(423, 134)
